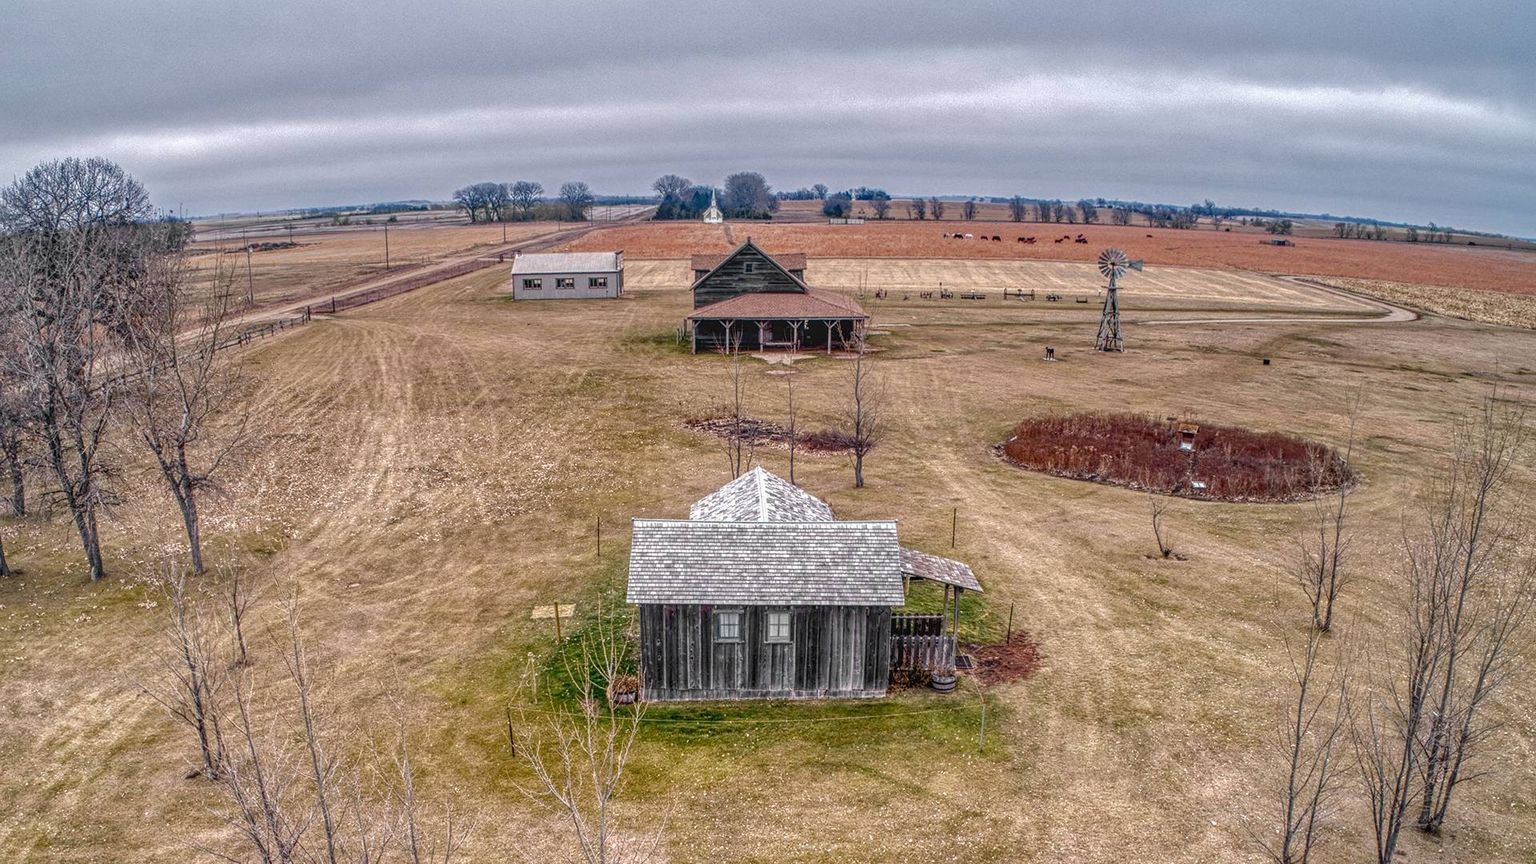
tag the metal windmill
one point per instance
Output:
(1112, 263)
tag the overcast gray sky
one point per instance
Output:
(1408, 110)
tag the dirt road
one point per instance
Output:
(1390, 314)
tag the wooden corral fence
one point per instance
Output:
(243, 336)
(918, 642)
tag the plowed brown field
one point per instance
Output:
(1483, 269)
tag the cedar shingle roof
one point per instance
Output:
(765, 563)
(760, 496)
(813, 304)
(710, 260)
(921, 565)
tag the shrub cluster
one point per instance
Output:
(1140, 452)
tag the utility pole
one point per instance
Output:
(250, 282)
(386, 245)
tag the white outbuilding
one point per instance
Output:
(567, 275)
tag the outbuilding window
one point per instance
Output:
(728, 625)
(597, 282)
(777, 629)
(565, 282)
(533, 283)
(748, 266)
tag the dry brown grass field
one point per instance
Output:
(327, 260)
(1511, 271)
(431, 467)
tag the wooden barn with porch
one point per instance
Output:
(761, 593)
(750, 300)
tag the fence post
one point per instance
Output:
(954, 524)
(1009, 637)
(981, 742)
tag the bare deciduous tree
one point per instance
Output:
(1321, 574)
(579, 759)
(64, 294)
(15, 420)
(864, 415)
(741, 445)
(1017, 209)
(322, 769)
(193, 687)
(881, 206)
(1157, 505)
(297, 794)
(182, 402)
(238, 599)
(1471, 548)
(1312, 736)
(67, 195)
(968, 209)
(917, 209)
(523, 194)
(936, 207)
(793, 430)
(1467, 592)
(577, 199)
(262, 778)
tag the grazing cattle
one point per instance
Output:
(996, 239)
(1149, 235)
(1059, 239)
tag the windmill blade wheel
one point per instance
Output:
(1112, 262)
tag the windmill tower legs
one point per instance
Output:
(1110, 338)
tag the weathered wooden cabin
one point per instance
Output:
(761, 593)
(750, 300)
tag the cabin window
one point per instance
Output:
(749, 266)
(565, 282)
(728, 626)
(777, 629)
(597, 282)
(533, 283)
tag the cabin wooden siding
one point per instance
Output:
(834, 651)
(732, 279)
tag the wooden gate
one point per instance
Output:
(918, 642)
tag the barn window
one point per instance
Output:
(778, 627)
(597, 282)
(565, 282)
(533, 283)
(748, 266)
(728, 626)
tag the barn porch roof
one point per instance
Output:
(921, 565)
(811, 305)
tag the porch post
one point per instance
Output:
(829, 337)
(693, 327)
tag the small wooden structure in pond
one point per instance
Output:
(761, 593)
(749, 300)
(1187, 432)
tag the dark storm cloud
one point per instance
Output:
(1411, 111)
